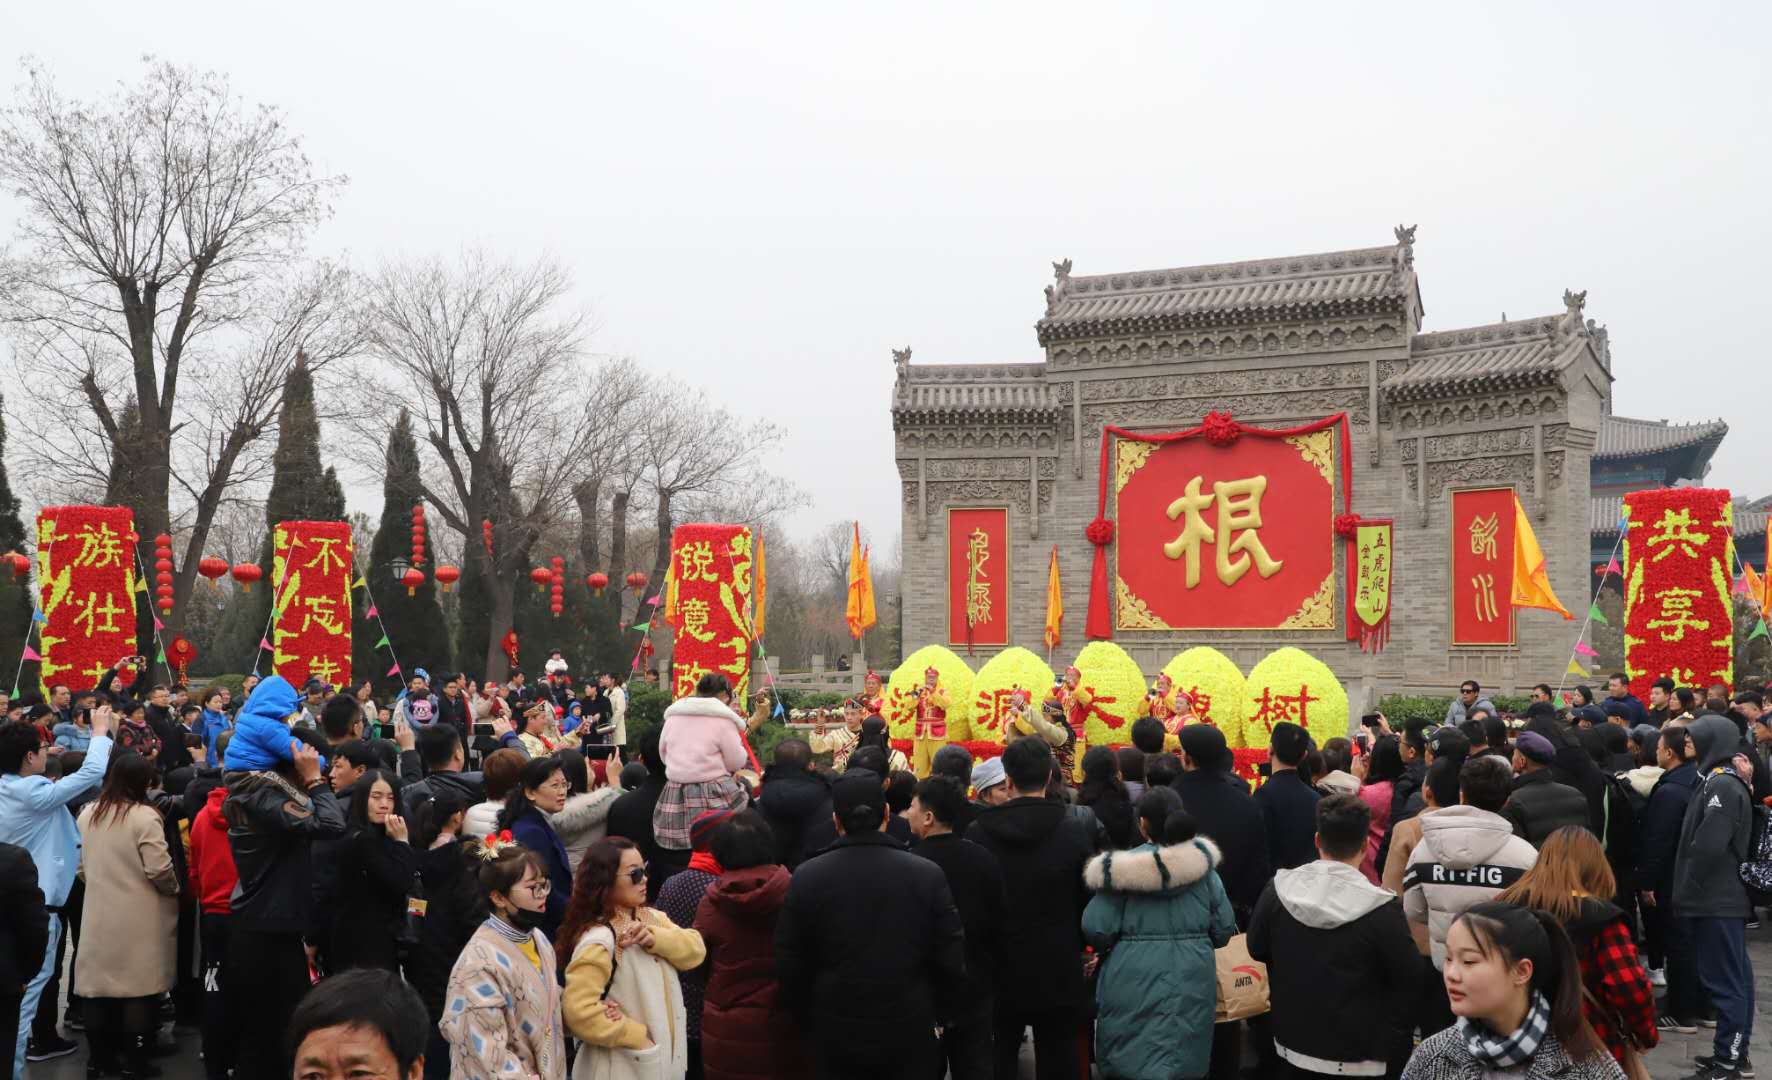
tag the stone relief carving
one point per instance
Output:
(1185, 412)
(907, 468)
(1476, 443)
(1200, 384)
(997, 492)
(1006, 438)
(1493, 470)
(1416, 416)
(979, 469)
(1553, 470)
(910, 499)
(1048, 468)
(1299, 337)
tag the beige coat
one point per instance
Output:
(129, 940)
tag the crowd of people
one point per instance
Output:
(323, 886)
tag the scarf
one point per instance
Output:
(704, 861)
(1496, 1052)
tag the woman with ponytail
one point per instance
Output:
(1515, 985)
(1158, 913)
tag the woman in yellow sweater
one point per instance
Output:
(623, 997)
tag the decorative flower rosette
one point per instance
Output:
(1216, 686)
(996, 680)
(1292, 685)
(900, 709)
(1117, 687)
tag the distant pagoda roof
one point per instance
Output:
(1609, 509)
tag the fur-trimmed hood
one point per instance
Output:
(586, 811)
(703, 706)
(1151, 869)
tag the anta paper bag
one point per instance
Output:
(1242, 983)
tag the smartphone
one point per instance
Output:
(1370, 720)
(483, 731)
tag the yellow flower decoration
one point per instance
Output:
(1001, 674)
(1217, 687)
(1291, 684)
(1116, 685)
(901, 692)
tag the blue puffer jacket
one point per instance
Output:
(261, 738)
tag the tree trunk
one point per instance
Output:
(618, 555)
(587, 494)
(501, 593)
(662, 560)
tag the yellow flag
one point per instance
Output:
(1575, 668)
(1756, 586)
(757, 593)
(859, 613)
(1054, 603)
(1532, 587)
(670, 592)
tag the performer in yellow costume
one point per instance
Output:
(873, 698)
(1171, 706)
(1073, 701)
(931, 732)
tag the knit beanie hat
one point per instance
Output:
(701, 830)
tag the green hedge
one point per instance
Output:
(231, 681)
(1399, 709)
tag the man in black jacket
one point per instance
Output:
(976, 882)
(956, 762)
(273, 817)
(1223, 809)
(1658, 844)
(869, 947)
(24, 936)
(797, 804)
(1041, 849)
(437, 749)
(1343, 971)
(1288, 804)
(1539, 805)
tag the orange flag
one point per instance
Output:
(1532, 587)
(1054, 603)
(1756, 586)
(758, 591)
(859, 613)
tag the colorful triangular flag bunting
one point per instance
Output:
(1582, 648)
(1612, 566)
(39, 616)
(1741, 587)
(31, 654)
(1759, 630)
(656, 600)
(360, 583)
(1575, 668)
(641, 625)
(161, 658)
(395, 670)
(141, 585)
(1594, 615)
(383, 641)
(265, 644)
(276, 613)
(372, 613)
(158, 625)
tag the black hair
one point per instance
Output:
(954, 761)
(1475, 731)
(944, 798)
(633, 774)
(578, 775)
(1101, 777)
(1664, 684)
(871, 758)
(1164, 817)
(1544, 688)
(371, 999)
(357, 753)
(794, 754)
(221, 744)
(1496, 728)
(1594, 743)
(1615, 739)
(18, 740)
(1338, 755)
(1750, 697)
(436, 744)
(1586, 694)
(901, 787)
(1343, 822)
(649, 752)
(1620, 677)
(536, 772)
(1485, 782)
(873, 733)
(1147, 734)
(1686, 697)
(1415, 736)
(1386, 760)
(502, 873)
(188, 708)
(1678, 742)
(742, 841)
(1160, 770)
(339, 715)
(359, 817)
(1522, 933)
(1442, 781)
(1470, 685)
(1028, 763)
(431, 813)
(712, 685)
(1131, 764)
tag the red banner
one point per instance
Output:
(1232, 537)
(710, 595)
(1483, 566)
(311, 604)
(1679, 608)
(978, 577)
(86, 589)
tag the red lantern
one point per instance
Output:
(446, 576)
(541, 575)
(181, 653)
(21, 564)
(412, 579)
(637, 581)
(164, 566)
(557, 587)
(246, 573)
(163, 570)
(212, 567)
(486, 530)
(418, 535)
(598, 582)
(163, 541)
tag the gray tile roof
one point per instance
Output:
(975, 392)
(1622, 436)
(1607, 509)
(1500, 356)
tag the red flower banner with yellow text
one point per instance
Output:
(710, 594)
(311, 604)
(86, 584)
(1679, 614)
(1372, 550)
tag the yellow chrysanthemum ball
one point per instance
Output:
(996, 680)
(1291, 684)
(1117, 684)
(1216, 685)
(900, 709)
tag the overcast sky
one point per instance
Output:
(764, 199)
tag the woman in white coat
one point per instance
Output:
(623, 999)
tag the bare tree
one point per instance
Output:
(480, 352)
(153, 226)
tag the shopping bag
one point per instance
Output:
(1242, 982)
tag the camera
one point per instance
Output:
(483, 731)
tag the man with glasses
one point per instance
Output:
(1470, 697)
(34, 815)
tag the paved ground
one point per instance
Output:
(1672, 1059)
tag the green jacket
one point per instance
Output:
(1157, 914)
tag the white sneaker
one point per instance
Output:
(1658, 977)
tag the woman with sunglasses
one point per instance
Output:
(624, 1000)
(502, 1004)
(539, 793)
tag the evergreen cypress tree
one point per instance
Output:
(415, 625)
(301, 490)
(15, 593)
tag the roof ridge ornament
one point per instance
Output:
(1571, 326)
(1061, 278)
(1403, 260)
(901, 359)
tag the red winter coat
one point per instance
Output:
(212, 861)
(746, 1034)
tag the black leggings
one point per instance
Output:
(116, 1028)
(270, 973)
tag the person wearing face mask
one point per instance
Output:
(375, 867)
(541, 791)
(624, 997)
(502, 1004)
(1515, 985)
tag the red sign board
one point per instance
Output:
(1236, 537)
(978, 576)
(1483, 566)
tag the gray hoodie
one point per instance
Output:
(1714, 833)
(1465, 857)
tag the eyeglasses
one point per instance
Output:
(637, 875)
(537, 888)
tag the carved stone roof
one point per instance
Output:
(1624, 437)
(1501, 356)
(1607, 509)
(1337, 282)
(967, 393)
